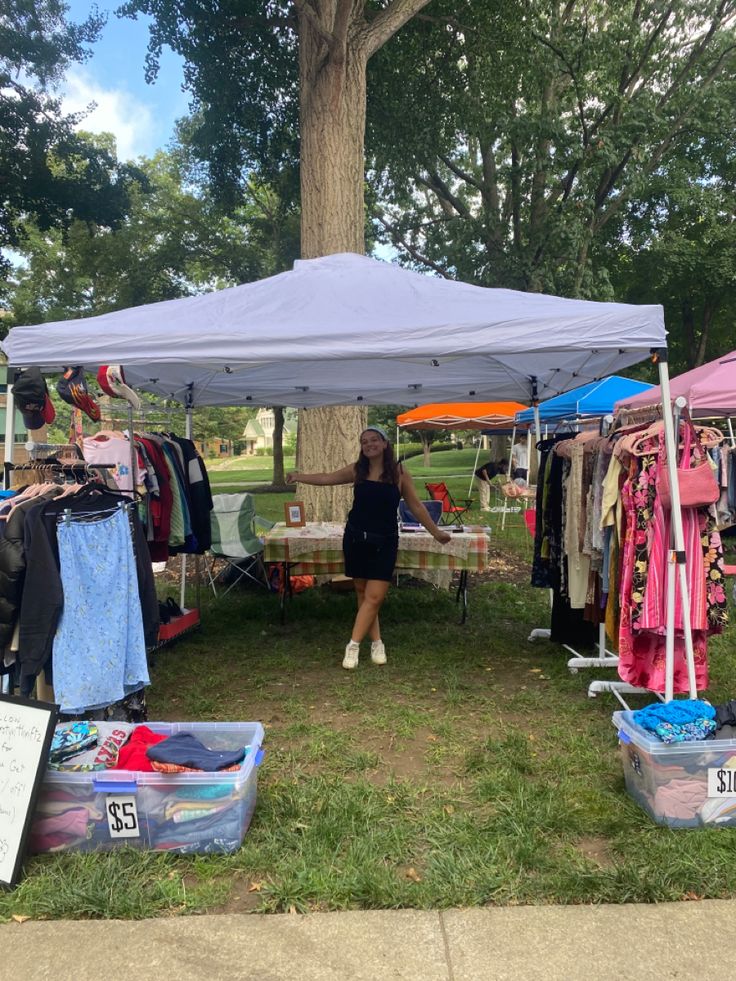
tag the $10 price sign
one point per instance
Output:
(721, 782)
(122, 816)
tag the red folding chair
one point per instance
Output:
(452, 512)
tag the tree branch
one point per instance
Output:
(385, 24)
(435, 183)
(306, 10)
(459, 172)
(397, 239)
(339, 42)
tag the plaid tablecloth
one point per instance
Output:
(317, 549)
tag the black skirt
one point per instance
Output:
(375, 559)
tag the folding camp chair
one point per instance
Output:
(234, 541)
(452, 512)
(407, 518)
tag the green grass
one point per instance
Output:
(247, 472)
(471, 770)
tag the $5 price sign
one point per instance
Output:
(122, 816)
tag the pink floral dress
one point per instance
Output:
(643, 581)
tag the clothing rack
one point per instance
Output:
(650, 413)
(55, 449)
(52, 467)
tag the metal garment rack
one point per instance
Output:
(145, 416)
(604, 658)
(675, 566)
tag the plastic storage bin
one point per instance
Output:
(681, 785)
(188, 813)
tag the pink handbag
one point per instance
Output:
(697, 483)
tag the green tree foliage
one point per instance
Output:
(527, 129)
(174, 242)
(242, 73)
(47, 170)
(677, 247)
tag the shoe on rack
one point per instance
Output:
(352, 651)
(378, 652)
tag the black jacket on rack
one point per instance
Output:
(200, 496)
(13, 564)
(43, 595)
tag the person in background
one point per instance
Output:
(371, 539)
(519, 461)
(483, 477)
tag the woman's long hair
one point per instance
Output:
(391, 473)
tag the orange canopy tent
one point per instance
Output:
(461, 415)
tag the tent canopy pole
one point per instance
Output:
(9, 419)
(475, 466)
(677, 555)
(188, 428)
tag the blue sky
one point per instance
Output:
(141, 116)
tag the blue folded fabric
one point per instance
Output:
(676, 713)
(687, 733)
(183, 749)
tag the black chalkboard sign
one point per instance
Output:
(26, 731)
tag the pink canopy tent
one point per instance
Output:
(710, 390)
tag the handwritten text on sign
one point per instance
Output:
(23, 734)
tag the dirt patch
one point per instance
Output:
(596, 850)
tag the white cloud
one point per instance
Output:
(116, 111)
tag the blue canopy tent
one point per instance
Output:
(594, 399)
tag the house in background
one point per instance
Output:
(216, 447)
(258, 434)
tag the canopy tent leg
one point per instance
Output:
(133, 451)
(677, 556)
(9, 423)
(188, 428)
(508, 475)
(538, 427)
(475, 466)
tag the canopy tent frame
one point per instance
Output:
(284, 341)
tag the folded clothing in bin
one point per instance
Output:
(185, 750)
(189, 812)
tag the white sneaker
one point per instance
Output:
(352, 651)
(378, 652)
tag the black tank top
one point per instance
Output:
(375, 504)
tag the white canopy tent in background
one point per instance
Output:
(347, 329)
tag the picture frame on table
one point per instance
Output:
(294, 514)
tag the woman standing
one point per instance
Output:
(371, 540)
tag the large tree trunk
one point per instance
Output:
(332, 128)
(335, 43)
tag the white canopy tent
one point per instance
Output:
(347, 329)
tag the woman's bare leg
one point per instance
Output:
(371, 593)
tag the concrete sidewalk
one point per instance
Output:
(526, 943)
